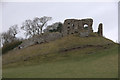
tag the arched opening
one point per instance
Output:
(68, 27)
(85, 26)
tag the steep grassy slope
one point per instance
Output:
(70, 56)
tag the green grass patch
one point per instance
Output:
(100, 60)
(102, 64)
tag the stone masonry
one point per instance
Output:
(74, 26)
(100, 29)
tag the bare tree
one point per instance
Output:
(13, 30)
(40, 23)
(6, 37)
(10, 35)
(35, 26)
(29, 27)
(44, 21)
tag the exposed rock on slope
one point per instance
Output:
(40, 39)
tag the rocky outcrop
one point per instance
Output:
(46, 37)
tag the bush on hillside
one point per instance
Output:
(10, 46)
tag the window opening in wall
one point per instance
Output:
(85, 26)
(68, 23)
(68, 27)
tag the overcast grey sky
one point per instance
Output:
(105, 12)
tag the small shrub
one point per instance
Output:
(10, 46)
(59, 28)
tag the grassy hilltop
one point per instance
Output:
(68, 57)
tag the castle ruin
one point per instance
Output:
(100, 29)
(82, 27)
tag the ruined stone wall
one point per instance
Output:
(100, 29)
(74, 26)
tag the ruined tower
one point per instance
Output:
(100, 29)
(82, 27)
